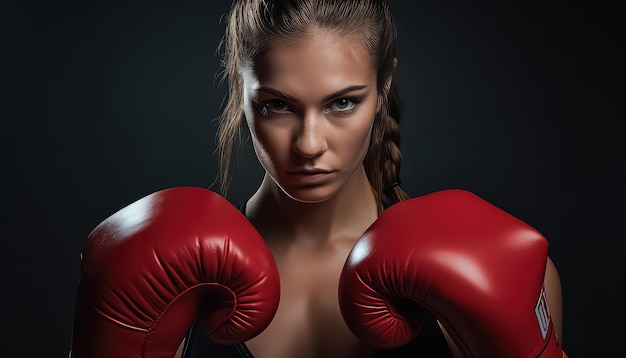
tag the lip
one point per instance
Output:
(311, 177)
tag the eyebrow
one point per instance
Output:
(335, 95)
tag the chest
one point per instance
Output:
(308, 322)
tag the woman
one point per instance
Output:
(314, 82)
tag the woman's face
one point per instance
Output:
(310, 107)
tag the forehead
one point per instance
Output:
(322, 59)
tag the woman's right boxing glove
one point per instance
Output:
(151, 268)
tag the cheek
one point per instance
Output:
(257, 135)
(365, 138)
(355, 143)
(270, 142)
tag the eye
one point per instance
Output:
(274, 106)
(343, 105)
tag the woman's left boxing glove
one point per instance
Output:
(476, 268)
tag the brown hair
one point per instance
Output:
(255, 24)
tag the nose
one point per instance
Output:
(310, 140)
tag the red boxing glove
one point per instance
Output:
(478, 269)
(151, 268)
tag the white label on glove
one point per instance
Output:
(542, 311)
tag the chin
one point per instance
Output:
(311, 195)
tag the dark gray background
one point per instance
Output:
(103, 103)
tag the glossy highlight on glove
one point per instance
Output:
(476, 268)
(154, 266)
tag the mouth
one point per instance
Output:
(311, 177)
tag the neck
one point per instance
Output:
(345, 215)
